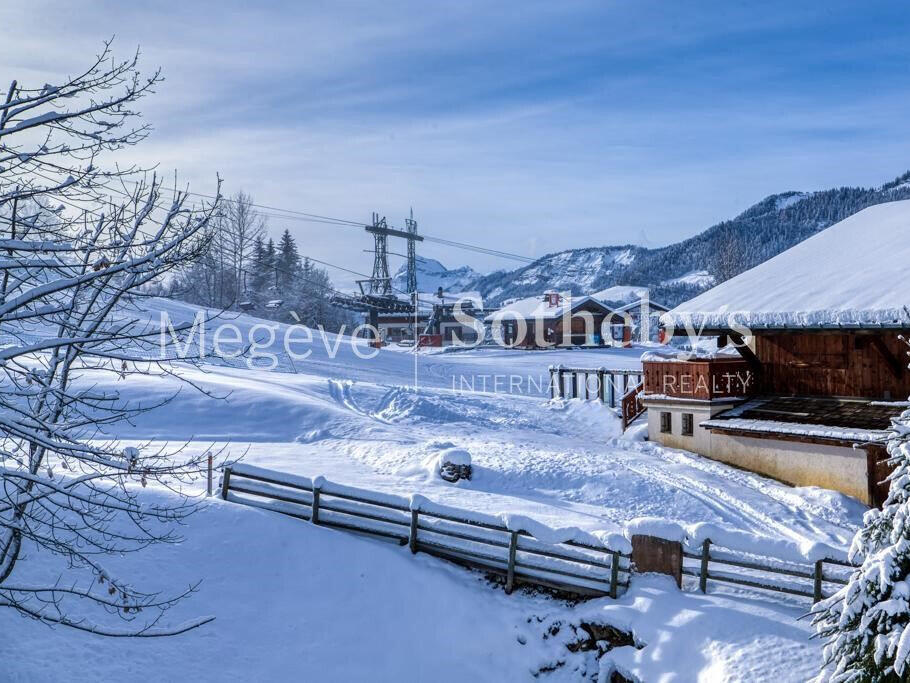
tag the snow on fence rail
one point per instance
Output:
(714, 563)
(525, 551)
(714, 554)
(517, 548)
(610, 383)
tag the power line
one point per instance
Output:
(294, 214)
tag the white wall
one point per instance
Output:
(841, 468)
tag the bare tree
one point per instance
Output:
(241, 226)
(78, 243)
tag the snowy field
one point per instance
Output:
(292, 601)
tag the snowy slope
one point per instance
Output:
(622, 294)
(849, 274)
(290, 599)
(296, 602)
(360, 421)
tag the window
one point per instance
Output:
(687, 424)
(666, 423)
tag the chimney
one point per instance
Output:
(552, 299)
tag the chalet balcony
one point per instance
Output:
(702, 379)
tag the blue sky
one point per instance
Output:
(528, 126)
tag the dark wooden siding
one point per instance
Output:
(832, 365)
(698, 379)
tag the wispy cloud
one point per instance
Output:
(529, 127)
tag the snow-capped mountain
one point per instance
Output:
(682, 270)
(431, 275)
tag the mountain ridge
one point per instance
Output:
(679, 271)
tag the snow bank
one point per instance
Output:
(741, 541)
(694, 535)
(454, 456)
(655, 526)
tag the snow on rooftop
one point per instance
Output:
(852, 274)
(537, 307)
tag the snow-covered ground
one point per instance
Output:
(297, 602)
(291, 599)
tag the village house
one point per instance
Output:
(636, 316)
(809, 368)
(550, 320)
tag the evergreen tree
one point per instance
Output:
(287, 264)
(866, 624)
(269, 268)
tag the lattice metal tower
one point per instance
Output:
(411, 225)
(381, 282)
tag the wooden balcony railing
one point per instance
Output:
(702, 379)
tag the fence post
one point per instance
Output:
(225, 479)
(553, 392)
(703, 572)
(208, 488)
(600, 386)
(612, 390)
(314, 517)
(510, 576)
(412, 535)
(653, 554)
(560, 382)
(614, 574)
(817, 588)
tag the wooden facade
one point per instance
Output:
(547, 332)
(700, 379)
(849, 364)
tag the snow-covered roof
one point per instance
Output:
(538, 308)
(634, 305)
(853, 274)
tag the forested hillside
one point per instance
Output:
(677, 272)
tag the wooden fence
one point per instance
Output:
(467, 538)
(715, 563)
(607, 387)
(483, 542)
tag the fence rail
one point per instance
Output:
(609, 385)
(461, 536)
(815, 580)
(484, 542)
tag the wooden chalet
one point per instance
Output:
(550, 320)
(635, 315)
(809, 368)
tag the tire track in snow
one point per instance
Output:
(721, 500)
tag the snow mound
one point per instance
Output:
(444, 462)
(403, 404)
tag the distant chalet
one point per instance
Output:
(540, 321)
(809, 369)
